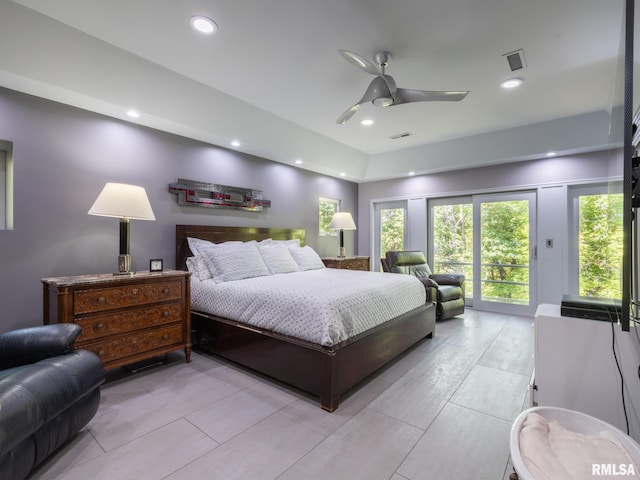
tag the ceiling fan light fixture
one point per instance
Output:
(382, 101)
(203, 24)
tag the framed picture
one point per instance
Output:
(155, 265)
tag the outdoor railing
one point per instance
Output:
(466, 268)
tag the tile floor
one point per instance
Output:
(442, 410)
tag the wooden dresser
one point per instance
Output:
(124, 318)
(348, 263)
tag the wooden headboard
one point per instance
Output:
(218, 234)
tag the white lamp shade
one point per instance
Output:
(342, 221)
(122, 201)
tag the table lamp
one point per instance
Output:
(342, 221)
(125, 202)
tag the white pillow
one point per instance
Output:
(196, 266)
(306, 258)
(196, 243)
(277, 258)
(294, 242)
(234, 261)
(280, 243)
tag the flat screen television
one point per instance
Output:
(631, 197)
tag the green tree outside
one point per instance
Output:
(327, 208)
(505, 250)
(391, 230)
(453, 241)
(600, 245)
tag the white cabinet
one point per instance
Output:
(575, 367)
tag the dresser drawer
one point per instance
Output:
(347, 263)
(356, 264)
(102, 325)
(104, 299)
(128, 345)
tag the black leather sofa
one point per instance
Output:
(449, 288)
(48, 392)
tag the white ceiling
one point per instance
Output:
(272, 78)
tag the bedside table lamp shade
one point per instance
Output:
(125, 202)
(342, 221)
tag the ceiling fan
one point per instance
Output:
(382, 90)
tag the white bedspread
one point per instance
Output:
(324, 306)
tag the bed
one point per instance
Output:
(323, 371)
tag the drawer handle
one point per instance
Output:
(100, 353)
(165, 290)
(165, 336)
(100, 326)
(101, 299)
(165, 314)
(134, 291)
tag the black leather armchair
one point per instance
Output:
(48, 392)
(449, 287)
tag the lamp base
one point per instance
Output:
(342, 252)
(124, 265)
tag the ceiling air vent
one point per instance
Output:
(400, 135)
(516, 60)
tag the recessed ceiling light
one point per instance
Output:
(551, 154)
(367, 122)
(133, 114)
(235, 143)
(511, 83)
(203, 24)
(342, 174)
(299, 162)
(411, 174)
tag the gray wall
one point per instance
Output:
(63, 156)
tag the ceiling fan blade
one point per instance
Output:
(344, 118)
(405, 95)
(359, 61)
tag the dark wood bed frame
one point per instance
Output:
(324, 372)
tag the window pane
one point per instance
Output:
(391, 230)
(327, 207)
(453, 241)
(504, 250)
(600, 245)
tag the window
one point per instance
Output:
(392, 222)
(596, 262)
(6, 185)
(453, 238)
(326, 210)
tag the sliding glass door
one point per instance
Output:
(390, 229)
(504, 273)
(451, 231)
(491, 240)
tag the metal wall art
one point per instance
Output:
(210, 195)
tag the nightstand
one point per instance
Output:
(347, 263)
(124, 318)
